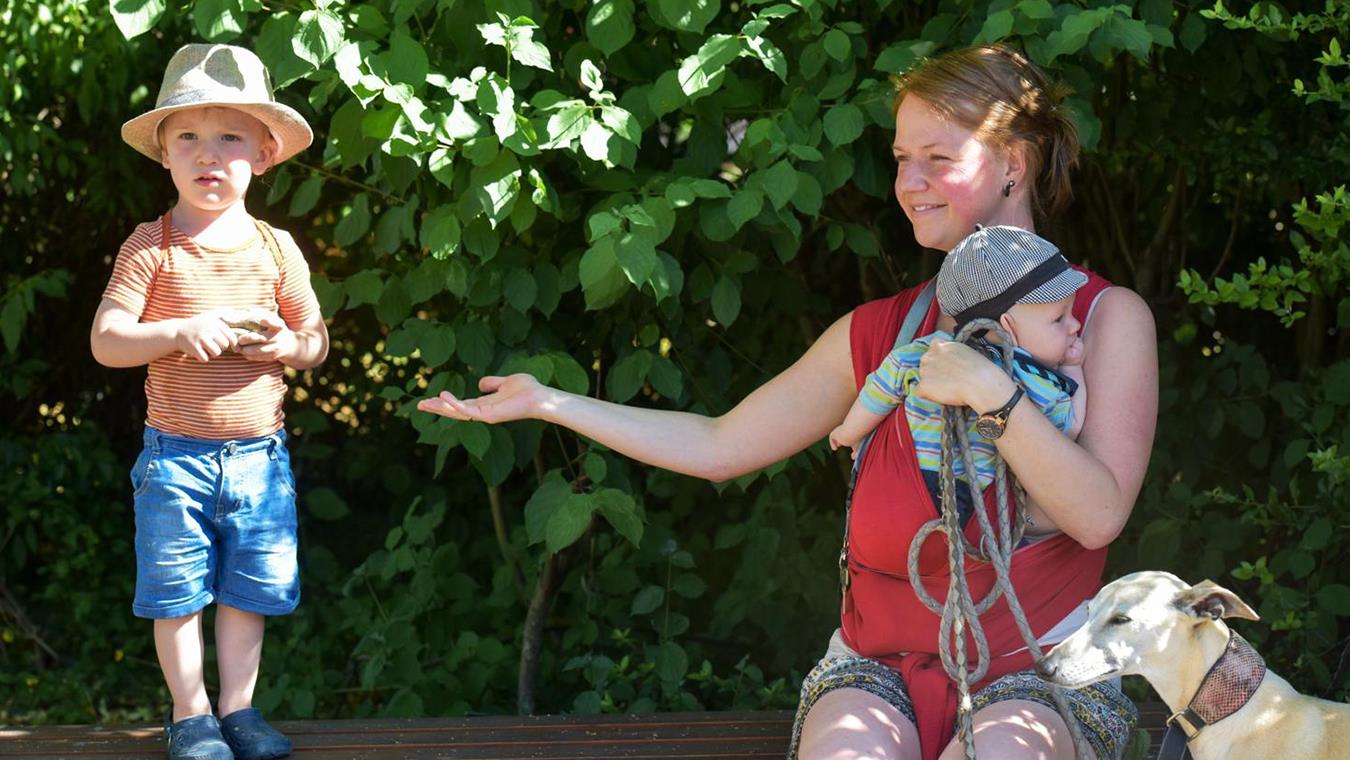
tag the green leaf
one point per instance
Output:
(136, 17)
(355, 224)
(568, 374)
(306, 195)
(667, 94)
(899, 57)
(648, 600)
(726, 300)
(326, 504)
(1127, 34)
(672, 663)
(545, 500)
(700, 73)
(318, 35)
(620, 512)
(519, 288)
(843, 123)
(666, 378)
(621, 123)
(569, 522)
(496, 185)
(602, 280)
(218, 20)
(627, 375)
(363, 287)
(780, 182)
(474, 344)
(1193, 32)
(609, 25)
(474, 436)
(440, 233)
(567, 124)
(689, 586)
(769, 55)
(744, 206)
(1036, 10)
(996, 26)
(437, 345)
(687, 15)
(1317, 535)
(808, 197)
(394, 303)
(595, 142)
(407, 60)
(837, 45)
(637, 255)
(1335, 598)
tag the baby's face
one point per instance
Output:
(1047, 331)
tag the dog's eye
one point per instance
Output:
(1119, 619)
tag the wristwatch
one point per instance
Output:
(992, 424)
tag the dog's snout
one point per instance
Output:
(1046, 669)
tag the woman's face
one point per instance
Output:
(947, 181)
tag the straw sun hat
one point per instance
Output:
(219, 75)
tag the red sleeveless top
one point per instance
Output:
(881, 616)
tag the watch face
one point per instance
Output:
(989, 426)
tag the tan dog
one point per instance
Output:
(1154, 625)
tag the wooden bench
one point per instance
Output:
(664, 735)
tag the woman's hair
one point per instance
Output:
(1006, 101)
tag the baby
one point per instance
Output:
(1021, 281)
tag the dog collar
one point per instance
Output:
(1230, 682)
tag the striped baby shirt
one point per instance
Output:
(228, 397)
(891, 384)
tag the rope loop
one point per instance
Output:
(960, 614)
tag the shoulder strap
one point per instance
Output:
(918, 310)
(914, 317)
(269, 237)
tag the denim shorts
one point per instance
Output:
(215, 521)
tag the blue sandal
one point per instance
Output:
(252, 738)
(196, 738)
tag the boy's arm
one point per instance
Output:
(119, 339)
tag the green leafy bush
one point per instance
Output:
(658, 203)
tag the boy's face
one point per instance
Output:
(1047, 331)
(212, 153)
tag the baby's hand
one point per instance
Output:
(1074, 354)
(205, 336)
(838, 437)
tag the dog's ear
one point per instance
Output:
(1209, 599)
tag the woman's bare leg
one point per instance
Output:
(1018, 730)
(851, 724)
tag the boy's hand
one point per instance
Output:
(266, 337)
(205, 336)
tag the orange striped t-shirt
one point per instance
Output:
(228, 397)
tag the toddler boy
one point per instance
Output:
(216, 303)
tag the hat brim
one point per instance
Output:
(1057, 288)
(287, 126)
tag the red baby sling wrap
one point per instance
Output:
(881, 616)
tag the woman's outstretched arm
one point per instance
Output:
(780, 418)
(1087, 489)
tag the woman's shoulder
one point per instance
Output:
(876, 323)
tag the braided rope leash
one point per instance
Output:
(960, 613)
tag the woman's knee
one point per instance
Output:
(849, 724)
(1018, 730)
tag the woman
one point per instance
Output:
(980, 139)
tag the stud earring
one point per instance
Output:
(1007, 189)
